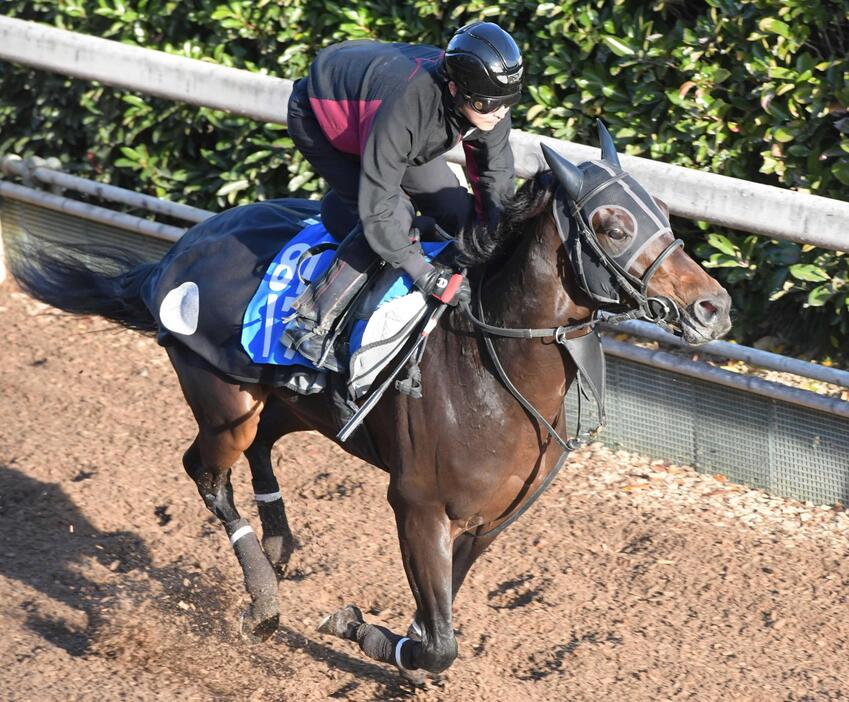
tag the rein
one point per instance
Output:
(568, 445)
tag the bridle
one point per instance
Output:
(657, 309)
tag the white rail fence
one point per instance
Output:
(750, 207)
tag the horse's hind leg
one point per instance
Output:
(228, 415)
(277, 540)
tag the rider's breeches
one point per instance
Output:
(431, 188)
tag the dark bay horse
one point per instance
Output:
(465, 456)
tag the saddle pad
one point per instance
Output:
(264, 320)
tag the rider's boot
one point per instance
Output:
(322, 303)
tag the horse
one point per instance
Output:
(481, 441)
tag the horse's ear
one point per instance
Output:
(608, 148)
(662, 205)
(566, 172)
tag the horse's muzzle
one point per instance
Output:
(707, 319)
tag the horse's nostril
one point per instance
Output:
(706, 311)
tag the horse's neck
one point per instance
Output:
(535, 289)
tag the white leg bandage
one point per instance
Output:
(398, 647)
(239, 533)
(268, 496)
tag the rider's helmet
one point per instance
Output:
(485, 63)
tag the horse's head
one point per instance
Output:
(621, 245)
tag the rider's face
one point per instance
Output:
(484, 122)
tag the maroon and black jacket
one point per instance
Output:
(389, 105)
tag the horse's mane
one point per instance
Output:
(481, 245)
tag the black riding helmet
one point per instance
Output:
(485, 63)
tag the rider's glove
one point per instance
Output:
(445, 285)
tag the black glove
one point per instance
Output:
(446, 286)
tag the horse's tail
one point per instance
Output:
(85, 279)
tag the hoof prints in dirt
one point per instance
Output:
(551, 661)
(515, 593)
(326, 487)
(83, 475)
(161, 514)
(640, 544)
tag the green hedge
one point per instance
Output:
(755, 89)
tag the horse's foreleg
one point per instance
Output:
(466, 550)
(426, 551)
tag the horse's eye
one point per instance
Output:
(616, 233)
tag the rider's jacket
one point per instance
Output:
(389, 105)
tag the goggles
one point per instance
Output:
(486, 105)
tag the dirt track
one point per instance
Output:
(628, 581)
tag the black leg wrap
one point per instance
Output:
(277, 540)
(379, 643)
(260, 580)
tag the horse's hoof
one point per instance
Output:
(413, 631)
(416, 678)
(255, 630)
(279, 550)
(342, 623)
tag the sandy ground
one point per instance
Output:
(630, 580)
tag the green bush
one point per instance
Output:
(755, 89)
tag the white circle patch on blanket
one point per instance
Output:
(179, 309)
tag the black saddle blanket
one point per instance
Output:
(226, 257)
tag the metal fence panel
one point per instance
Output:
(654, 418)
(731, 435)
(810, 455)
(765, 443)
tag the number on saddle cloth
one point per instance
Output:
(284, 280)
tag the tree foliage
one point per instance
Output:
(755, 89)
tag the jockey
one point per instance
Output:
(374, 120)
